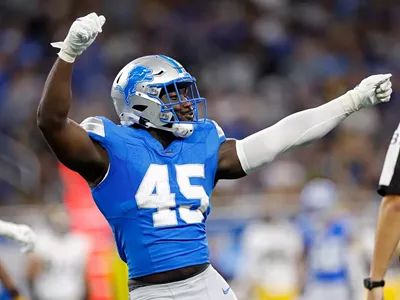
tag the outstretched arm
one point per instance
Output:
(237, 158)
(69, 142)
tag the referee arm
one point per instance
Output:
(387, 236)
(388, 226)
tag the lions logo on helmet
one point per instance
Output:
(136, 75)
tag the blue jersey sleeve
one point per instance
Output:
(106, 133)
(103, 131)
(306, 231)
(220, 133)
(213, 137)
(96, 129)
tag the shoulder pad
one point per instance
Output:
(219, 129)
(94, 125)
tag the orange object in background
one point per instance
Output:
(87, 219)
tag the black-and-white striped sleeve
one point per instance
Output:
(389, 182)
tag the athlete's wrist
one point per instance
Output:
(349, 100)
(69, 58)
(371, 284)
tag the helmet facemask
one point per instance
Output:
(191, 95)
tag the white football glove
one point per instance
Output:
(22, 234)
(81, 35)
(25, 237)
(371, 91)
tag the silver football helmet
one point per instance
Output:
(138, 88)
(319, 194)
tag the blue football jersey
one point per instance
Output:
(157, 200)
(327, 249)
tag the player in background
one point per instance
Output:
(25, 236)
(8, 288)
(387, 234)
(153, 175)
(328, 244)
(269, 268)
(57, 268)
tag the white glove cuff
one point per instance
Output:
(62, 54)
(66, 57)
(351, 101)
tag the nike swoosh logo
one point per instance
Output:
(226, 291)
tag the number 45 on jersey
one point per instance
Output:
(157, 178)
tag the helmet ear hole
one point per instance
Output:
(139, 107)
(159, 73)
(119, 77)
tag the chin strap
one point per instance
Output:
(183, 130)
(179, 130)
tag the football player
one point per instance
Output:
(8, 288)
(272, 249)
(152, 175)
(57, 269)
(327, 240)
(25, 236)
(387, 234)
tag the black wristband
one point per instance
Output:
(13, 292)
(369, 284)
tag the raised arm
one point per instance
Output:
(69, 142)
(238, 158)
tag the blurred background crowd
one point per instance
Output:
(256, 61)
